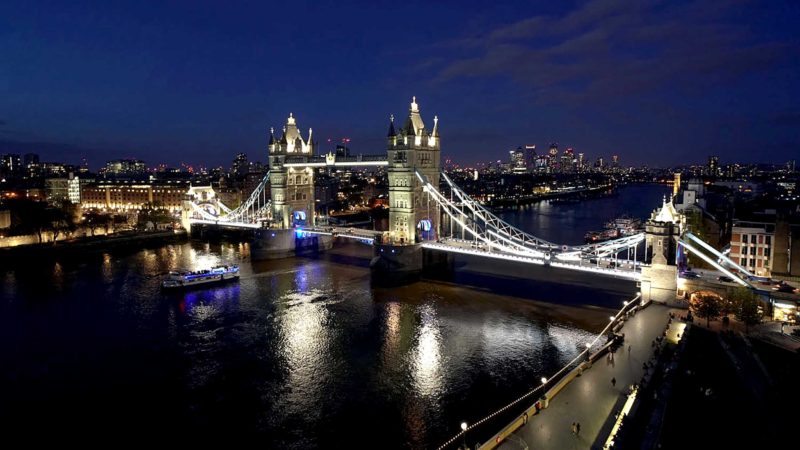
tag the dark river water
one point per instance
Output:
(300, 353)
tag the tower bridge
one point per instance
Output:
(431, 218)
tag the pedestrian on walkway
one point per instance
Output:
(629, 350)
(577, 428)
(614, 382)
(574, 428)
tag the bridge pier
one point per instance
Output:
(277, 244)
(404, 264)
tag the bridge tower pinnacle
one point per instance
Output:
(412, 149)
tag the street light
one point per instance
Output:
(612, 318)
(464, 433)
(544, 380)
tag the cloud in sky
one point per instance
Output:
(610, 49)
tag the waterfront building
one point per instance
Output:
(132, 196)
(752, 245)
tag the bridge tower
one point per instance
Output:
(412, 149)
(413, 217)
(292, 188)
(660, 278)
(291, 181)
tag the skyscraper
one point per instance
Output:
(553, 157)
(713, 166)
(240, 166)
(10, 165)
(530, 157)
(567, 160)
(517, 160)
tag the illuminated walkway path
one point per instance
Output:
(590, 398)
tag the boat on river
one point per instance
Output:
(181, 279)
(617, 228)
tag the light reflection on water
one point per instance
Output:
(297, 349)
(301, 351)
(425, 358)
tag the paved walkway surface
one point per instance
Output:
(590, 398)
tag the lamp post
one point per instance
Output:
(464, 433)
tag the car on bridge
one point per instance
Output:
(784, 287)
(689, 274)
(725, 279)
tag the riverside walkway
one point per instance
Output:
(590, 399)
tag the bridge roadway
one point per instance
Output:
(626, 269)
(630, 270)
(368, 236)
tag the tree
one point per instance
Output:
(63, 220)
(747, 307)
(153, 212)
(707, 306)
(94, 220)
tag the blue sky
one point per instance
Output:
(656, 82)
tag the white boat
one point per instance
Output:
(183, 278)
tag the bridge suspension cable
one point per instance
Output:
(255, 207)
(258, 206)
(498, 226)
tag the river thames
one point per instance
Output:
(302, 352)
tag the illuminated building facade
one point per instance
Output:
(752, 246)
(133, 196)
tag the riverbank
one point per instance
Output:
(587, 193)
(91, 244)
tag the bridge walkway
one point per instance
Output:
(590, 399)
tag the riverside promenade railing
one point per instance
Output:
(562, 378)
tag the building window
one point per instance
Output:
(769, 240)
(766, 250)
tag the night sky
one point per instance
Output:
(657, 82)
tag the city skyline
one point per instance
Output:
(175, 83)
